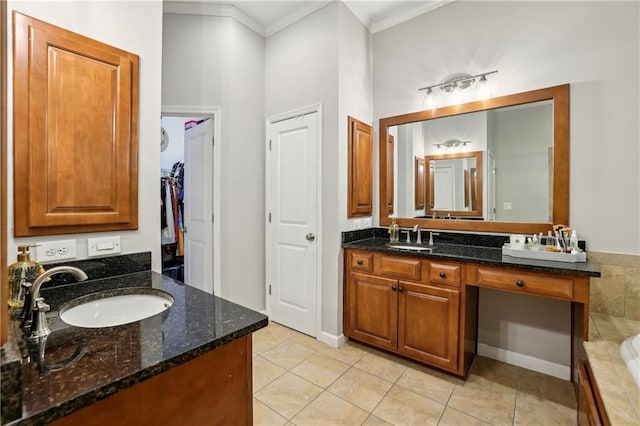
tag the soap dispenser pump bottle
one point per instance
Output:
(24, 270)
(394, 232)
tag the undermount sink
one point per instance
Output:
(112, 308)
(410, 247)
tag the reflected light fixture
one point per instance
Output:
(452, 143)
(455, 84)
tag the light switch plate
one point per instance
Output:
(103, 246)
(507, 205)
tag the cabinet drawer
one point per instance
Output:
(400, 267)
(443, 273)
(362, 262)
(532, 283)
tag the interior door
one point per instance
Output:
(198, 206)
(293, 206)
(443, 188)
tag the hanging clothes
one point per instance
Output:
(168, 234)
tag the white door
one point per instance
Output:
(491, 188)
(443, 191)
(292, 204)
(198, 206)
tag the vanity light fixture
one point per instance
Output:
(454, 85)
(452, 143)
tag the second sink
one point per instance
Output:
(111, 308)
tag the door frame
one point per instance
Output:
(214, 113)
(317, 108)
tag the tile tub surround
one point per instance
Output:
(619, 392)
(116, 358)
(617, 291)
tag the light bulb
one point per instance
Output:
(483, 89)
(456, 95)
(429, 100)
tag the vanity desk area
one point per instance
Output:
(424, 304)
(475, 173)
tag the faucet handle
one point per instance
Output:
(431, 234)
(39, 325)
(408, 236)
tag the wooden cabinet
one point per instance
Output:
(390, 181)
(360, 168)
(75, 132)
(395, 305)
(419, 184)
(428, 324)
(213, 389)
(538, 284)
(591, 410)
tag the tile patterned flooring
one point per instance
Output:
(299, 381)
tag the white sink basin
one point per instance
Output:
(111, 308)
(409, 247)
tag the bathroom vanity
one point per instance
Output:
(191, 364)
(424, 304)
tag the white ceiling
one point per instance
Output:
(270, 16)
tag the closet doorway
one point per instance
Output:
(189, 198)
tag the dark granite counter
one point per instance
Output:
(84, 365)
(476, 254)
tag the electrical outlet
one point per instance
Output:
(52, 251)
(507, 205)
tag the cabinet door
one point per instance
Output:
(75, 133)
(360, 168)
(373, 310)
(428, 324)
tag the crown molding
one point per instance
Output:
(213, 9)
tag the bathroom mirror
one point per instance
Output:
(454, 186)
(520, 182)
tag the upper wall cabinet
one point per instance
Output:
(360, 168)
(75, 132)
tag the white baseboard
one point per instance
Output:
(332, 339)
(525, 361)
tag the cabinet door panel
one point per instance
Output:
(373, 308)
(428, 324)
(360, 168)
(75, 139)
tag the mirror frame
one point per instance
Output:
(560, 97)
(479, 201)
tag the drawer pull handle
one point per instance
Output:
(443, 275)
(394, 288)
(520, 283)
(359, 262)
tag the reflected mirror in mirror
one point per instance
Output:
(512, 184)
(519, 182)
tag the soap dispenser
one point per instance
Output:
(394, 231)
(24, 270)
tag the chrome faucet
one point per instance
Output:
(416, 229)
(36, 308)
(431, 234)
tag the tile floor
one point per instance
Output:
(300, 381)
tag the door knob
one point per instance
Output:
(310, 237)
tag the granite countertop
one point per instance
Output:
(619, 392)
(477, 254)
(84, 365)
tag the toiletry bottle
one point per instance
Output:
(573, 241)
(394, 231)
(21, 271)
